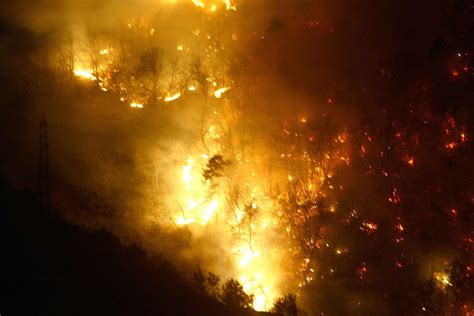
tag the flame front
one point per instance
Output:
(256, 265)
(227, 180)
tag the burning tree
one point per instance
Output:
(303, 204)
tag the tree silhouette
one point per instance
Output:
(286, 305)
(215, 167)
(232, 294)
(206, 284)
(150, 68)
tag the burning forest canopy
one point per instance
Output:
(322, 149)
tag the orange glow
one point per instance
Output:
(400, 227)
(218, 93)
(83, 73)
(136, 105)
(173, 97)
(451, 145)
(442, 279)
(369, 227)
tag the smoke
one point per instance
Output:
(120, 169)
(50, 16)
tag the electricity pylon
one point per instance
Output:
(43, 163)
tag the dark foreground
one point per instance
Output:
(51, 267)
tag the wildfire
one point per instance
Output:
(451, 145)
(198, 3)
(187, 177)
(442, 279)
(202, 204)
(250, 217)
(173, 97)
(136, 105)
(87, 74)
(218, 93)
(213, 6)
(400, 227)
(369, 227)
(272, 199)
(182, 221)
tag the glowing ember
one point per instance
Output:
(443, 279)
(172, 97)
(369, 227)
(136, 105)
(182, 221)
(400, 227)
(451, 145)
(87, 74)
(218, 93)
(198, 3)
(213, 6)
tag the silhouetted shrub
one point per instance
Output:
(232, 294)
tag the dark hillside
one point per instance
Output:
(50, 267)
